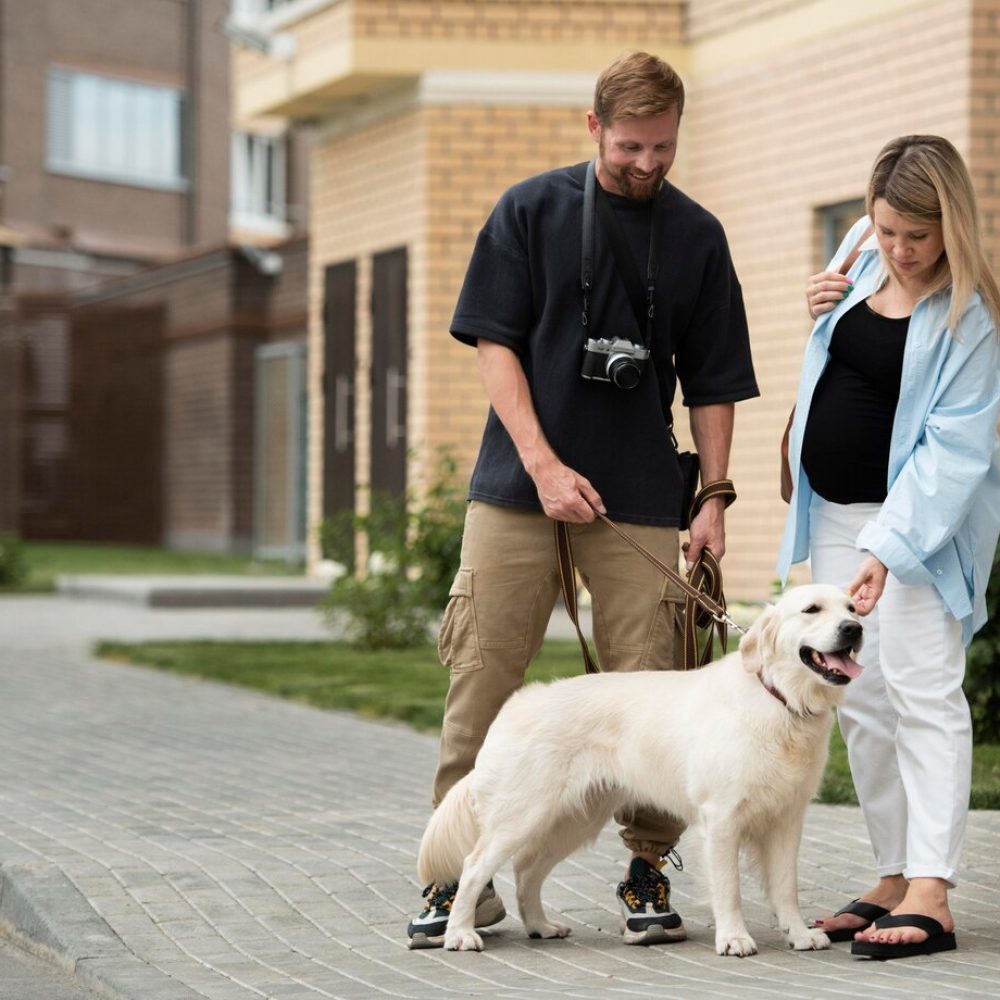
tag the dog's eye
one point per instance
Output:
(813, 609)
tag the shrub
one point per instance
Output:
(336, 538)
(414, 552)
(13, 565)
(436, 532)
(982, 669)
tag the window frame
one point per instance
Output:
(835, 221)
(258, 188)
(113, 101)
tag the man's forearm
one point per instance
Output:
(508, 392)
(712, 431)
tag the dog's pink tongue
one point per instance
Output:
(843, 663)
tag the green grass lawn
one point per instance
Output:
(47, 560)
(410, 686)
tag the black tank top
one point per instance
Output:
(845, 450)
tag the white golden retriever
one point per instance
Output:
(738, 746)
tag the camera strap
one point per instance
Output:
(596, 202)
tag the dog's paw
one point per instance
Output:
(810, 939)
(740, 945)
(548, 931)
(459, 940)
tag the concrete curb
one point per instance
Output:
(42, 909)
(197, 592)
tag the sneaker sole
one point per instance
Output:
(488, 913)
(421, 940)
(653, 934)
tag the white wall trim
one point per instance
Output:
(449, 88)
(499, 88)
(292, 12)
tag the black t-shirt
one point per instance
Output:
(522, 290)
(845, 448)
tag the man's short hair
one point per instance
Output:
(637, 85)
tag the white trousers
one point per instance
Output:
(905, 720)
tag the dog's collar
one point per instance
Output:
(774, 692)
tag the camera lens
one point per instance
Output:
(623, 371)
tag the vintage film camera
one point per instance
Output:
(614, 360)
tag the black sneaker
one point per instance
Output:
(645, 901)
(426, 930)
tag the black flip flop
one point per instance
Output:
(938, 939)
(859, 908)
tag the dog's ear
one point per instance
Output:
(758, 644)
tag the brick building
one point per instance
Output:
(152, 256)
(425, 110)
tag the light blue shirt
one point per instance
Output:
(941, 518)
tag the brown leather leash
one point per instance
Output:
(704, 600)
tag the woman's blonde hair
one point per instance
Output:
(637, 85)
(924, 178)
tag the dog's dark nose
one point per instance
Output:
(850, 633)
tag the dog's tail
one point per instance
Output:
(450, 835)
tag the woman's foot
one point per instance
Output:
(887, 894)
(926, 896)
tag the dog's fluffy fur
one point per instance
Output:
(713, 746)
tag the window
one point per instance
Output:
(835, 221)
(258, 198)
(252, 7)
(115, 130)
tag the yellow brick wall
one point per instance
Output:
(767, 144)
(984, 146)
(709, 17)
(475, 153)
(533, 20)
(367, 196)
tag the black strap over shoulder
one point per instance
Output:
(587, 241)
(596, 203)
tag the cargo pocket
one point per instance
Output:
(665, 649)
(458, 639)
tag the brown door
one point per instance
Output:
(389, 373)
(339, 376)
(116, 425)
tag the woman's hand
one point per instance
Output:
(868, 585)
(825, 290)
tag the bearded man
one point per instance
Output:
(585, 309)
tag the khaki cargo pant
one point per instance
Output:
(501, 601)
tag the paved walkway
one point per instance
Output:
(171, 839)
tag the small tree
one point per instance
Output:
(413, 556)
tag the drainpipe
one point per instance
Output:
(191, 120)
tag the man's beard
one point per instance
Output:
(633, 189)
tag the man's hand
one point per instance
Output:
(565, 495)
(868, 585)
(825, 290)
(707, 531)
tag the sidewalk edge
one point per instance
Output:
(42, 910)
